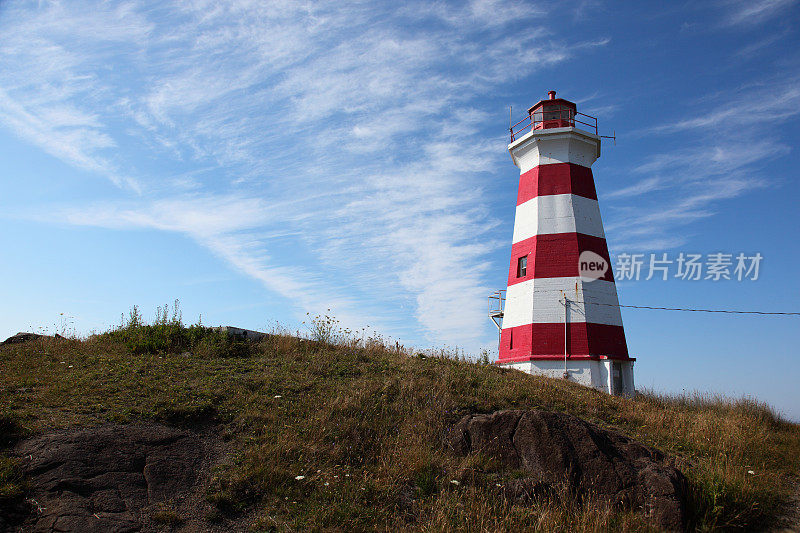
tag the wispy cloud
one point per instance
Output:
(753, 12)
(328, 131)
(49, 86)
(769, 100)
(231, 228)
(644, 186)
(756, 48)
(716, 158)
(730, 133)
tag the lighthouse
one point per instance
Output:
(559, 315)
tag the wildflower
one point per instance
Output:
(277, 396)
(326, 483)
(299, 478)
(455, 482)
(751, 472)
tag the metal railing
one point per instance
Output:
(497, 302)
(557, 118)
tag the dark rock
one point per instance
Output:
(527, 489)
(562, 451)
(22, 337)
(110, 478)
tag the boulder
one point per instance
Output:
(26, 337)
(561, 451)
(111, 478)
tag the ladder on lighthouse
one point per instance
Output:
(497, 302)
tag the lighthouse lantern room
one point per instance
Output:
(559, 315)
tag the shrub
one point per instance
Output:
(169, 335)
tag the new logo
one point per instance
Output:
(592, 266)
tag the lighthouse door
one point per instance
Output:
(616, 381)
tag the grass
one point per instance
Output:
(362, 423)
(166, 516)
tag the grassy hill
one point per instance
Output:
(363, 422)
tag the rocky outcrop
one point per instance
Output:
(27, 337)
(113, 478)
(561, 451)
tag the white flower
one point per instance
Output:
(298, 478)
(326, 483)
(751, 472)
(277, 396)
(455, 482)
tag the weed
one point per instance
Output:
(11, 480)
(427, 479)
(166, 516)
(10, 428)
(169, 335)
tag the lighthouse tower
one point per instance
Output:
(561, 316)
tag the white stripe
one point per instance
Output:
(557, 213)
(557, 145)
(539, 301)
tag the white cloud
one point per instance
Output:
(770, 101)
(644, 186)
(340, 128)
(755, 48)
(229, 227)
(340, 131)
(730, 133)
(49, 87)
(753, 12)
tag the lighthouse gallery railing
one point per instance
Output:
(553, 119)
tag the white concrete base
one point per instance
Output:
(599, 374)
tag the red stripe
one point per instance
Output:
(558, 178)
(546, 341)
(555, 255)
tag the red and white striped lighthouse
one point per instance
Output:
(561, 316)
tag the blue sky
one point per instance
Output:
(264, 160)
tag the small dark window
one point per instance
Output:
(511, 339)
(522, 266)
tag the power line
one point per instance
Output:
(688, 309)
(729, 311)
